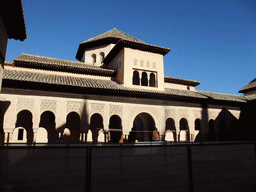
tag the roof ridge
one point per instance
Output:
(112, 33)
(219, 93)
(39, 56)
(97, 35)
(129, 35)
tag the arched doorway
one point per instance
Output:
(47, 121)
(24, 120)
(115, 129)
(143, 129)
(96, 125)
(170, 130)
(73, 124)
(184, 130)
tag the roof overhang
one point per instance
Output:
(87, 45)
(120, 43)
(181, 81)
(143, 47)
(13, 18)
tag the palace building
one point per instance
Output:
(117, 92)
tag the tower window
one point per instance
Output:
(102, 56)
(93, 58)
(135, 62)
(141, 63)
(154, 65)
(144, 79)
(152, 80)
(136, 78)
(148, 64)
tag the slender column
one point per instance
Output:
(8, 133)
(177, 126)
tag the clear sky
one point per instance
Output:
(211, 41)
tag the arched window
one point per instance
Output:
(93, 58)
(184, 130)
(96, 125)
(136, 78)
(102, 56)
(115, 127)
(141, 63)
(135, 62)
(47, 121)
(198, 124)
(170, 124)
(73, 124)
(152, 80)
(24, 120)
(144, 79)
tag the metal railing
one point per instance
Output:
(147, 166)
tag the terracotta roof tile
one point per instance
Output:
(117, 34)
(70, 81)
(59, 80)
(181, 81)
(48, 63)
(249, 87)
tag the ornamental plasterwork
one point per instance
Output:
(115, 110)
(25, 104)
(74, 106)
(97, 108)
(48, 105)
(183, 113)
(197, 114)
(170, 113)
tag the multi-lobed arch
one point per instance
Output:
(215, 129)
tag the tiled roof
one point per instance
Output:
(72, 84)
(249, 87)
(53, 64)
(60, 80)
(181, 81)
(208, 95)
(222, 96)
(114, 36)
(115, 33)
(124, 43)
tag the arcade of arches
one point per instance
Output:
(136, 127)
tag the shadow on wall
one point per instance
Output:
(71, 131)
(3, 108)
(223, 128)
(247, 122)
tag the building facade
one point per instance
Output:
(117, 92)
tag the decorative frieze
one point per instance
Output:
(74, 106)
(115, 110)
(183, 113)
(197, 114)
(170, 113)
(48, 105)
(25, 104)
(97, 108)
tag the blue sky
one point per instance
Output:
(211, 41)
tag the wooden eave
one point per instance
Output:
(13, 17)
